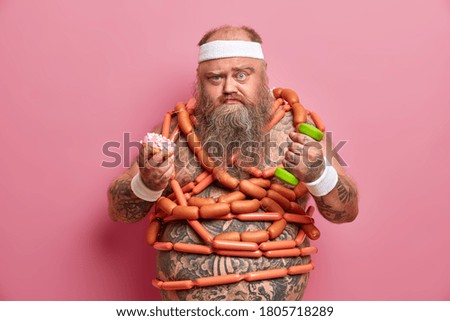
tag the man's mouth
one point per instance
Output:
(231, 101)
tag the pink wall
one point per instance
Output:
(77, 74)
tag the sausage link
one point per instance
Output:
(178, 192)
(186, 212)
(193, 119)
(277, 245)
(192, 248)
(280, 199)
(214, 210)
(265, 275)
(200, 177)
(310, 210)
(277, 92)
(311, 231)
(300, 190)
(203, 184)
(194, 142)
(190, 105)
(297, 218)
(300, 238)
(201, 231)
(177, 285)
(172, 218)
(287, 107)
(163, 246)
(179, 106)
(199, 201)
(188, 187)
(160, 215)
(166, 125)
(268, 173)
(227, 217)
(300, 269)
(205, 160)
(255, 236)
(308, 250)
(185, 189)
(218, 280)
(253, 254)
(317, 121)
(152, 232)
(175, 134)
(184, 122)
(275, 119)
(260, 217)
(251, 189)
(299, 114)
(234, 246)
(228, 236)
(296, 208)
(290, 96)
(283, 253)
(276, 228)
(269, 205)
(245, 206)
(253, 171)
(262, 182)
(166, 205)
(286, 192)
(224, 178)
(231, 197)
(157, 283)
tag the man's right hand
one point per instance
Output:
(156, 169)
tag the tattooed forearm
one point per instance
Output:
(341, 204)
(124, 205)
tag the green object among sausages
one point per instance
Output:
(311, 131)
(286, 176)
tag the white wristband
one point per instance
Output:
(143, 192)
(325, 183)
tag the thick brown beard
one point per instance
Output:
(233, 129)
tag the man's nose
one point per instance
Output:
(229, 86)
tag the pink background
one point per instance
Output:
(77, 74)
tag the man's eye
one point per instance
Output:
(215, 78)
(241, 76)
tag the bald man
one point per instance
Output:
(232, 110)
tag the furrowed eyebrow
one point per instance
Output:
(213, 73)
(234, 69)
(248, 69)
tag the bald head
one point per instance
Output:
(231, 33)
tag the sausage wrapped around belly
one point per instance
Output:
(174, 266)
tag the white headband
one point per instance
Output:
(230, 48)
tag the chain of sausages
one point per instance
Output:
(233, 278)
(249, 196)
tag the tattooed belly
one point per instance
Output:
(174, 265)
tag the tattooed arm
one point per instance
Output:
(124, 206)
(341, 204)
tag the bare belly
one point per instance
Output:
(174, 265)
